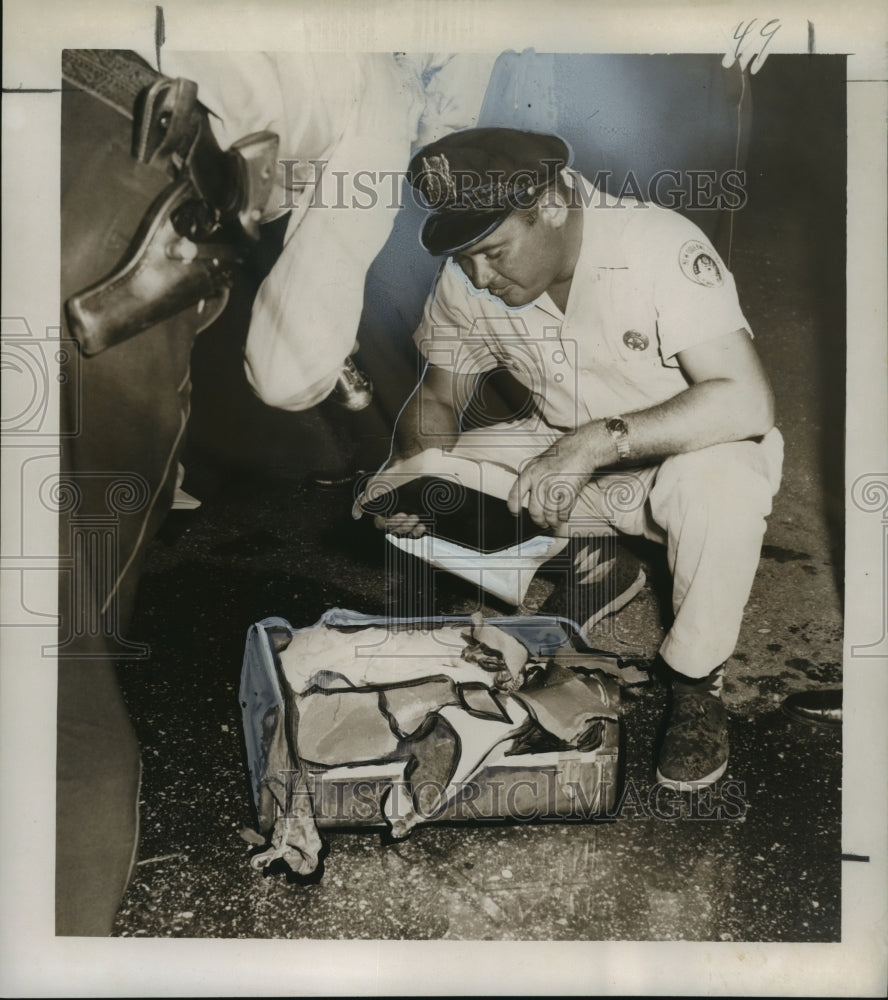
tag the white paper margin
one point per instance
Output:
(36, 963)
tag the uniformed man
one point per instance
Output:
(652, 414)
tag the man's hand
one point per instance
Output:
(553, 479)
(429, 420)
(729, 399)
(400, 524)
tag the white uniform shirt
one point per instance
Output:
(647, 285)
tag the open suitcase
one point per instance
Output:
(365, 721)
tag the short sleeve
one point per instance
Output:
(694, 294)
(448, 335)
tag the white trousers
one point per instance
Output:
(708, 507)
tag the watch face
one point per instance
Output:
(616, 427)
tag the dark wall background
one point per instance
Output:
(786, 125)
(791, 246)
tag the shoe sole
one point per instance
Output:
(828, 722)
(620, 601)
(691, 786)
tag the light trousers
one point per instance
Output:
(708, 508)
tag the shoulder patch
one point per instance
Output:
(700, 263)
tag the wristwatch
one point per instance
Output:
(616, 427)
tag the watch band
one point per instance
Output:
(619, 431)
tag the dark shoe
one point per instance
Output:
(820, 707)
(694, 753)
(600, 577)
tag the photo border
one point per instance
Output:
(36, 962)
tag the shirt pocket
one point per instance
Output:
(631, 324)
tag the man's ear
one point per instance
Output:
(552, 208)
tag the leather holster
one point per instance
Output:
(193, 236)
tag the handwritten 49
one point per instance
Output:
(751, 42)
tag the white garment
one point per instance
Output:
(379, 656)
(347, 124)
(647, 285)
(635, 302)
(707, 506)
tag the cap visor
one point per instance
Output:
(450, 232)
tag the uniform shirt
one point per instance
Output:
(647, 285)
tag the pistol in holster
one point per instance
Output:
(194, 235)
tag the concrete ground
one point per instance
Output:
(268, 541)
(769, 870)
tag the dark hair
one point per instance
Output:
(530, 214)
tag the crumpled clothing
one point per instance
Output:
(481, 702)
(378, 656)
(408, 713)
(563, 704)
(489, 644)
(295, 840)
(409, 707)
(285, 804)
(341, 728)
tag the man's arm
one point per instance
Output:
(429, 420)
(730, 399)
(431, 417)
